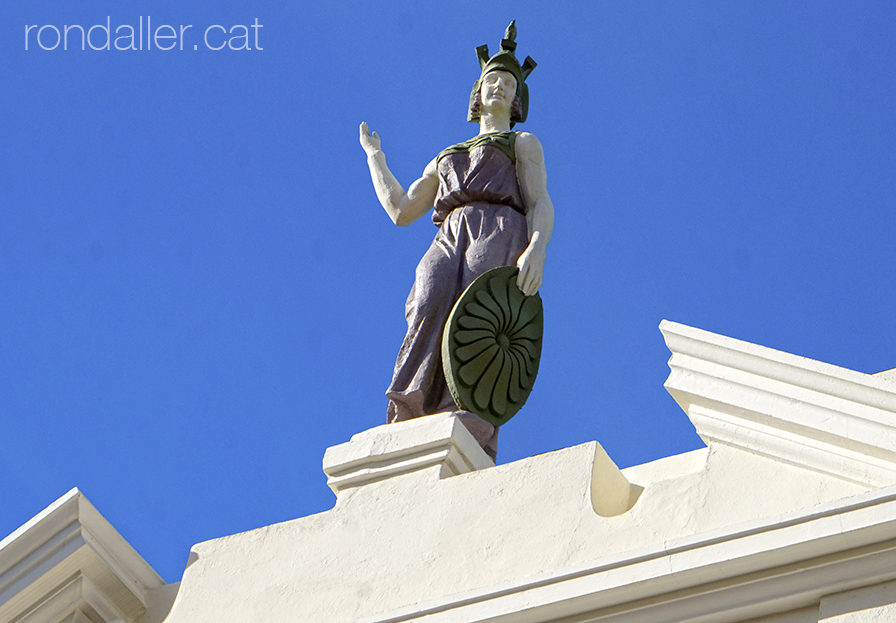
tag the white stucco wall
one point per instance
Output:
(414, 538)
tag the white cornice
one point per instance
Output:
(68, 558)
(751, 570)
(804, 412)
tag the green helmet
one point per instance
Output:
(505, 60)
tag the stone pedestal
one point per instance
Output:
(392, 450)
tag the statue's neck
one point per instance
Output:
(489, 123)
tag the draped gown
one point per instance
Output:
(482, 225)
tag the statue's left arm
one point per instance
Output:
(532, 177)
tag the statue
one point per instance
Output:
(490, 201)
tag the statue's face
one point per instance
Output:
(498, 90)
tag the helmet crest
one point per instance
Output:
(505, 60)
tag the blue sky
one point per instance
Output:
(199, 292)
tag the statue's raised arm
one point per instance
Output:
(489, 199)
(402, 207)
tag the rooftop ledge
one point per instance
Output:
(804, 412)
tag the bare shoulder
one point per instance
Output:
(528, 147)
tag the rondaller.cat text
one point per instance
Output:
(139, 38)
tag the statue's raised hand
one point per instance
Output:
(369, 141)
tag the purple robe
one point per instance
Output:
(482, 225)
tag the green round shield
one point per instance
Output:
(491, 346)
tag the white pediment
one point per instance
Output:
(804, 412)
(69, 564)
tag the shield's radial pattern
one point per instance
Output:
(498, 289)
(491, 346)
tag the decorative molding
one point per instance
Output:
(76, 598)
(807, 413)
(68, 562)
(405, 447)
